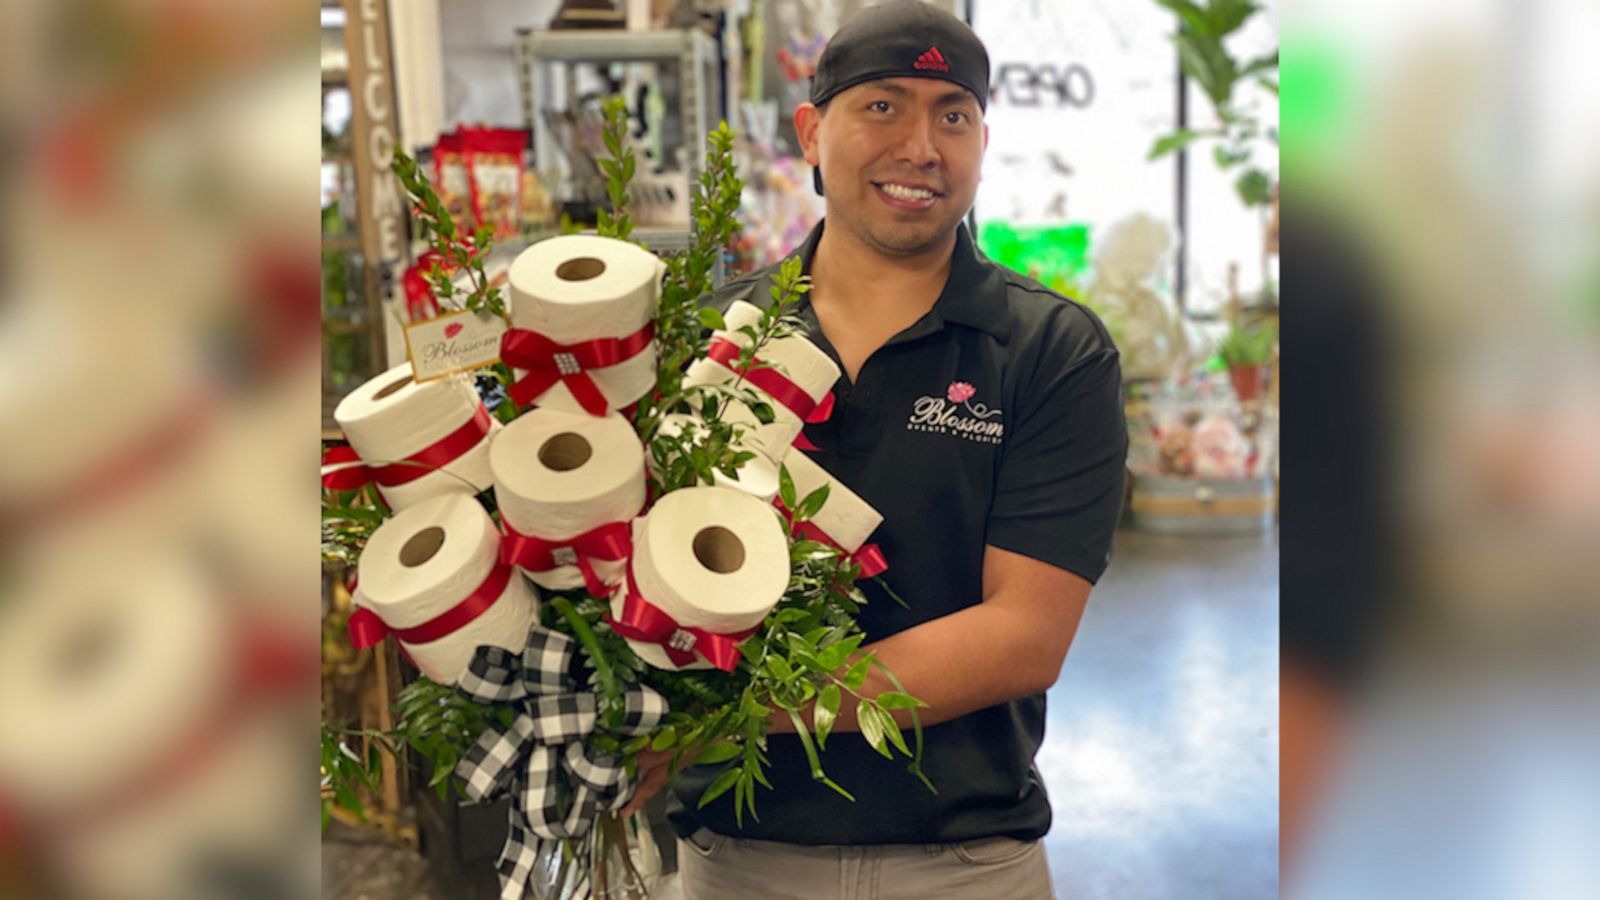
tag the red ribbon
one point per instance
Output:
(268, 666)
(643, 621)
(548, 362)
(109, 479)
(776, 385)
(610, 542)
(367, 630)
(868, 556)
(430, 458)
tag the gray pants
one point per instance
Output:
(714, 867)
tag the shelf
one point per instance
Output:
(601, 46)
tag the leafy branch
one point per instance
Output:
(1203, 29)
(457, 250)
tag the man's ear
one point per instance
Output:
(806, 119)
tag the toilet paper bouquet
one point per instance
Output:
(631, 552)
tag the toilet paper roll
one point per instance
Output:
(560, 475)
(105, 661)
(757, 477)
(393, 416)
(711, 558)
(847, 519)
(577, 288)
(426, 562)
(796, 358)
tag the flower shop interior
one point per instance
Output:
(1131, 165)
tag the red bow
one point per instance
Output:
(610, 542)
(868, 556)
(548, 362)
(430, 458)
(367, 630)
(776, 385)
(643, 621)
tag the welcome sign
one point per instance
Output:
(454, 342)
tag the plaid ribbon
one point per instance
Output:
(558, 783)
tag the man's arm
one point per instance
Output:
(1009, 646)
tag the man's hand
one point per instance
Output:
(652, 765)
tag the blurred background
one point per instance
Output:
(1435, 695)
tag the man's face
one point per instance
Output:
(899, 159)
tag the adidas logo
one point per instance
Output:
(931, 59)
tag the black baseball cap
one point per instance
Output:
(901, 39)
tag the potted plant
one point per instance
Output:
(1246, 350)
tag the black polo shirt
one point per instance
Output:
(997, 419)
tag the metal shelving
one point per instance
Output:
(691, 50)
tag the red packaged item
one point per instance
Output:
(494, 161)
(452, 180)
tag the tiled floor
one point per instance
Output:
(1161, 750)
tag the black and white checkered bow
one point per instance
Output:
(558, 783)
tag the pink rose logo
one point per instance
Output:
(960, 391)
(453, 329)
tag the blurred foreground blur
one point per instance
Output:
(158, 369)
(1441, 555)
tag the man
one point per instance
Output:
(981, 414)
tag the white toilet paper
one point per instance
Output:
(799, 360)
(580, 287)
(844, 517)
(392, 417)
(711, 558)
(560, 474)
(757, 477)
(426, 561)
(104, 662)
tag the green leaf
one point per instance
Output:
(899, 700)
(664, 739)
(834, 656)
(872, 728)
(857, 675)
(780, 668)
(1254, 187)
(722, 751)
(721, 785)
(891, 730)
(825, 711)
(711, 319)
(812, 503)
(1171, 143)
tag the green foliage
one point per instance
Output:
(1248, 345)
(680, 333)
(466, 252)
(1203, 30)
(619, 168)
(434, 720)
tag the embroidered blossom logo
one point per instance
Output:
(956, 413)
